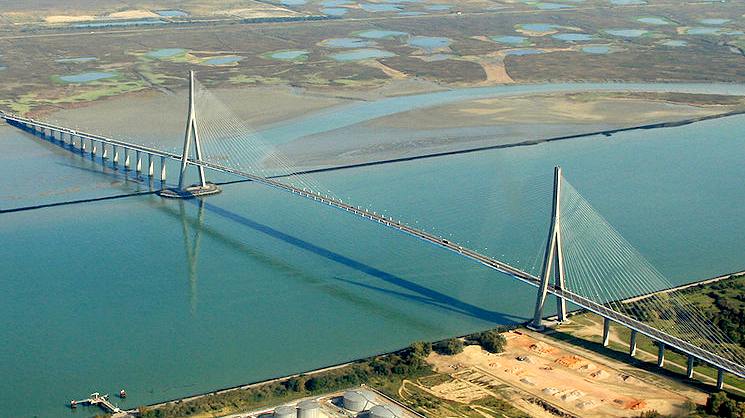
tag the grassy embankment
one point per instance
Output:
(386, 373)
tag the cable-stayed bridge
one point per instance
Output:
(586, 261)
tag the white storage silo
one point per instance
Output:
(308, 409)
(285, 411)
(354, 401)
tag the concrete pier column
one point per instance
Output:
(126, 158)
(689, 369)
(138, 162)
(115, 158)
(632, 344)
(51, 135)
(82, 144)
(660, 354)
(104, 152)
(163, 169)
(94, 148)
(606, 331)
(150, 167)
(720, 379)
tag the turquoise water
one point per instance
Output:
(289, 55)
(334, 3)
(293, 2)
(380, 34)
(539, 27)
(572, 37)
(104, 295)
(222, 60)
(429, 43)
(714, 21)
(376, 7)
(512, 40)
(346, 43)
(118, 23)
(171, 13)
(86, 77)
(553, 6)
(627, 33)
(165, 52)
(521, 52)
(627, 2)
(362, 54)
(600, 49)
(334, 11)
(76, 60)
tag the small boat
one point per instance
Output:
(73, 404)
(122, 394)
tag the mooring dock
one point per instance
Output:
(101, 401)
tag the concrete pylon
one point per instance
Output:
(553, 261)
(192, 135)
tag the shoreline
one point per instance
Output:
(348, 363)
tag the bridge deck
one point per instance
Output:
(602, 310)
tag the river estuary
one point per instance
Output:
(167, 298)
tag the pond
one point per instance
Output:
(86, 77)
(362, 54)
(115, 24)
(374, 7)
(512, 40)
(627, 2)
(675, 43)
(346, 43)
(165, 53)
(597, 49)
(380, 34)
(552, 6)
(334, 11)
(293, 2)
(573, 37)
(429, 43)
(521, 52)
(289, 55)
(652, 20)
(232, 59)
(80, 59)
(627, 33)
(538, 27)
(171, 13)
(714, 21)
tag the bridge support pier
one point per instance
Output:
(150, 165)
(720, 379)
(94, 148)
(689, 368)
(554, 261)
(104, 152)
(162, 169)
(126, 159)
(606, 331)
(115, 158)
(660, 354)
(82, 144)
(632, 343)
(138, 162)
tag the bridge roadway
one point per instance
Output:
(602, 310)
